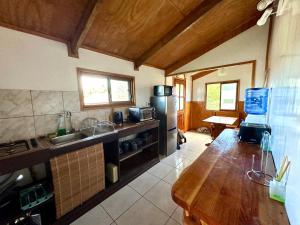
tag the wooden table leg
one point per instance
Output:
(217, 130)
(187, 220)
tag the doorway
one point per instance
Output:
(180, 93)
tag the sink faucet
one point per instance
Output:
(91, 125)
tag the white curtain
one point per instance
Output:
(284, 113)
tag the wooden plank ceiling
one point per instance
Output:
(163, 33)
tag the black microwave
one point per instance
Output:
(163, 90)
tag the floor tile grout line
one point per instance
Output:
(164, 176)
(140, 196)
(150, 187)
(144, 197)
(115, 220)
(106, 212)
(174, 213)
(152, 202)
(153, 185)
(172, 165)
(156, 207)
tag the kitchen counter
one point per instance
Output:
(215, 188)
(45, 151)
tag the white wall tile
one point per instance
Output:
(15, 103)
(46, 124)
(12, 129)
(47, 102)
(71, 101)
(284, 110)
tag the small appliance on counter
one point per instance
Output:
(140, 114)
(252, 132)
(118, 118)
(163, 90)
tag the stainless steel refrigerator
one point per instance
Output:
(165, 109)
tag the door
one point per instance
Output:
(180, 86)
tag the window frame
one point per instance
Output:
(114, 76)
(224, 82)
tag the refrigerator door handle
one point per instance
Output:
(172, 129)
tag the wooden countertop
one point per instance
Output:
(216, 189)
(46, 151)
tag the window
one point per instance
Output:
(100, 89)
(222, 95)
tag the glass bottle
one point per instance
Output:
(61, 130)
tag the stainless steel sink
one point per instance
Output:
(96, 131)
(68, 138)
(100, 129)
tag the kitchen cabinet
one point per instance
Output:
(64, 158)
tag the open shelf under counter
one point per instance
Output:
(132, 153)
(133, 164)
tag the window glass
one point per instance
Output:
(228, 96)
(181, 90)
(98, 89)
(95, 90)
(221, 96)
(177, 103)
(120, 90)
(181, 102)
(177, 89)
(213, 96)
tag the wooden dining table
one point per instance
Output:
(216, 190)
(219, 123)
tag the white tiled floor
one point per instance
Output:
(147, 200)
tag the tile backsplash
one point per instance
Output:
(29, 113)
(15, 103)
(47, 102)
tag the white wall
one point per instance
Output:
(249, 45)
(35, 63)
(240, 72)
(284, 113)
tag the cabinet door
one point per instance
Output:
(77, 176)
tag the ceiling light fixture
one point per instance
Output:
(221, 72)
(263, 4)
(263, 19)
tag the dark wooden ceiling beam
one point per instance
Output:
(184, 24)
(225, 37)
(83, 27)
(202, 74)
